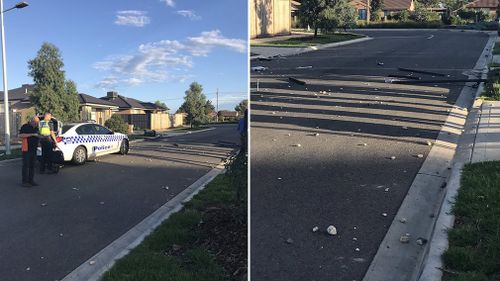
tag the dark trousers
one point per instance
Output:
(29, 166)
(46, 155)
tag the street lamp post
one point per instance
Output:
(19, 5)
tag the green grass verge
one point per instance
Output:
(474, 242)
(402, 24)
(496, 49)
(176, 249)
(491, 90)
(15, 153)
(307, 41)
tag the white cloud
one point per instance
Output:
(132, 18)
(165, 60)
(189, 14)
(169, 3)
(203, 44)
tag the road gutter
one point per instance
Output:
(96, 266)
(422, 206)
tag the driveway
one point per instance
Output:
(344, 149)
(50, 230)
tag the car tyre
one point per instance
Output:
(80, 155)
(124, 147)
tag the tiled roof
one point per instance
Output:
(483, 4)
(86, 99)
(153, 106)
(124, 102)
(19, 94)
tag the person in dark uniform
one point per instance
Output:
(29, 135)
(47, 142)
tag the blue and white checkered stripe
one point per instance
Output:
(92, 139)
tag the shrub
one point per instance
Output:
(116, 124)
(401, 16)
(424, 15)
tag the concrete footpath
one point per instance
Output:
(487, 142)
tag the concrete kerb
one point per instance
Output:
(313, 48)
(94, 268)
(432, 266)
(406, 261)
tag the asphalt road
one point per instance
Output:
(89, 206)
(320, 159)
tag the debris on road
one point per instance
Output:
(304, 67)
(357, 250)
(380, 63)
(405, 76)
(44, 205)
(393, 158)
(315, 229)
(429, 143)
(28, 269)
(289, 241)
(297, 81)
(384, 214)
(362, 144)
(358, 260)
(354, 239)
(297, 145)
(421, 241)
(102, 202)
(259, 68)
(332, 230)
(91, 262)
(405, 238)
(74, 188)
(386, 190)
(420, 156)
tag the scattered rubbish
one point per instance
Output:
(297, 81)
(420, 156)
(102, 202)
(316, 135)
(315, 229)
(429, 143)
(259, 68)
(61, 235)
(386, 190)
(354, 239)
(358, 260)
(74, 188)
(289, 241)
(405, 76)
(357, 250)
(421, 241)
(28, 269)
(354, 228)
(304, 67)
(91, 262)
(393, 157)
(332, 230)
(289, 134)
(297, 145)
(445, 81)
(384, 214)
(44, 205)
(380, 63)
(280, 178)
(421, 71)
(402, 220)
(405, 128)
(405, 238)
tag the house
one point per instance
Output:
(484, 5)
(270, 17)
(362, 8)
(140, 115)
(225, 115)
(391, 7)
(19, 102)
(94, 109)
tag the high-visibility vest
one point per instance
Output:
(44, 128)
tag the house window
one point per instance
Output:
(362, 14)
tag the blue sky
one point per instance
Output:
(148, 49)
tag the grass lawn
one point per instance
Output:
(474, 249)
(207, 240)
(310, 40)
(15, 153)
(496, 49)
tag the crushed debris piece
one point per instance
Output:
(259, 68)
(304, 67)
(91, 262)
(43, 204)
(332, 230)
(289, 241)
(315, 229)
(297, 145)
(402, 220)
(393, 157)
(384, 214)
(357, 250)
(421, 241)
(420, 156)
(405, 238)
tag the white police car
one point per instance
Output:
(81, 141)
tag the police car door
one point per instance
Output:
(87, 136)
(108, 143)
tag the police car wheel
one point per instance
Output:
(124, 148)
(80, 155)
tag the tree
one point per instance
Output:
(161, 104)
(310, 13)
(375, 9)
(116, 124)
(52, 92)
(209, 107)
(241, 107)
(195, 105)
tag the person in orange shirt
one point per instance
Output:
(29, 135)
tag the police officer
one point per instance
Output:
(29, 136)
(47, 142)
